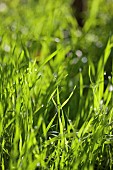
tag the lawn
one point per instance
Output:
(56, 86)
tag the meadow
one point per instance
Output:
(56, 86)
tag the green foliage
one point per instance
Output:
(56, 86)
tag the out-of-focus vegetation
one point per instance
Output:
(56, 86)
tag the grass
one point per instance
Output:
(56, 86)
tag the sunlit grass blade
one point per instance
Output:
(48, 59)
(51, 122)
(67, 100)
(107, 51)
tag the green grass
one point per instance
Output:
(56, 86)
